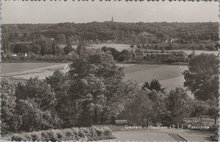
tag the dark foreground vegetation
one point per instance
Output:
(93, 92)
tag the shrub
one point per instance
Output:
(82, 133)
(28, 137)
(45, 136)
(99, 132)
(69, 134)
(107, 132)
(75, 131)
(59, 135)
(35, 137)
(93, 132)
(18, 138)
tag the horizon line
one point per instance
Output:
(107, 22)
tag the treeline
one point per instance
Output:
(153, 35)
(140, 55)
(93, 92)
(132, 55)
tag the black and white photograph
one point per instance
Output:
(109, 70)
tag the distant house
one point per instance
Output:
(14, 55)
(21, 54)
(61, 46)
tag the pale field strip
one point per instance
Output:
(40, 72)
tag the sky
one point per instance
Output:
(82, 12)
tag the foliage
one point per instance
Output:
(125, 55)
(49, 39)
(115, 53)
(199, 108)
(201, 78)
(33, 118)
(177, 107)
(91, 134)
(92, 77)
(65, 107)
(139, 111)
(20, 48)
(153, 85)
(10, 122)
(115, 31)
(38, 91)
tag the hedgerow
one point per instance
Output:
(90, 134)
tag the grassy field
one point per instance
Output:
(170, 76)
(18, 67)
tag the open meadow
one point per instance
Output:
(170, 76)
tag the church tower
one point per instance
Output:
(112, 19)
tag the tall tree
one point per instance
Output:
(96, 81)
(177, 107)
(201, 78)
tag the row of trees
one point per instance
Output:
(145, 56)
(210, 46)
(42, 46)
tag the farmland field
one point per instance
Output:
(17, 67)
(170, 76)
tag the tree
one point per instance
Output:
(95, 84)
(38, 91)
(10, 122)
(55, 49)
(35, 48)
(201, 78)
(199, 108)
(45, 44)
(213, 109)
(125, 55)
(139, 110)
(60, 39)
(66, 106)
(20, 48)
(35, 119)
(81, 49)
(153, 85)
(115, 53)
(177, 107)
(5, 45)
(67, 49)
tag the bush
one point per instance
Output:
(69, 134)
(18, 138)
(35, 137)
(92, 133)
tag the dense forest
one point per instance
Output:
(203, 36)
